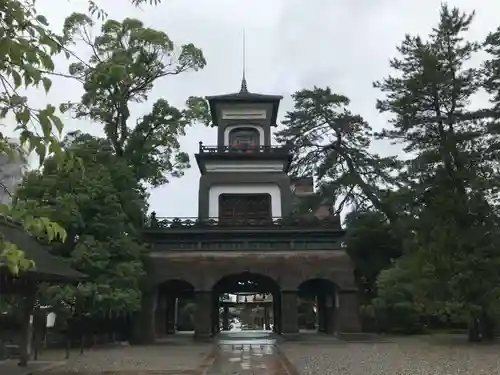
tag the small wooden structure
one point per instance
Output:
(48, 268)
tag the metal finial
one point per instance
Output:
(244, 88)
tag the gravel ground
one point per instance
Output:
(133, 358)
(424, 355)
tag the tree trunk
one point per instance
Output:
(473, 330)
(487, 327)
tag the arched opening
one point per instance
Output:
(244, 138)
(246, 301)
(175, 307)
(317, 304)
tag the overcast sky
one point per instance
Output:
(291, 44)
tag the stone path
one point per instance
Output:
(415, 355)
(248, 353)
(258, 353)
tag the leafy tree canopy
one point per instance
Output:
(100, 203)
(127, 58)
(370, 227)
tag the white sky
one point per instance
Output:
(291, 44)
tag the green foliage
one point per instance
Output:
(199, 110)
(127, 58)
(384, 248)
(441, 199)
(329, 140)
(101, 205)
(399, 305)
(450, 175)
(27, 47)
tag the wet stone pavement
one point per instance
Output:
(248, 353)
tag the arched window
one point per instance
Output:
(244, 138)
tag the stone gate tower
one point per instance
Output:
(244, 177)
(247, 238)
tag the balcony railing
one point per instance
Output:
(243, 149)
(305, 222)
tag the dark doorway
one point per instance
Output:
(317, 305)
(175, 307)
(245, 207)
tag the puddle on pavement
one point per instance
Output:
(247, 353)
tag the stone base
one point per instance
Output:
(291, 336)
(202, 338)
(356, 336)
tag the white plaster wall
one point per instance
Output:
(228, 129)
(216, 190)
(238, 166)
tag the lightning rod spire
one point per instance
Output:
(244, 88)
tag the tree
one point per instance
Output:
(101, 204)
(126, 60)
(333, 143)
(492, 68)
(372, 246)
(26, 49)
(447, 174)
(399, 304)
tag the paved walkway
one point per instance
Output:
(234, 353)
(257, 353)
(248, 353)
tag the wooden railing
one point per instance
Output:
(154, 222)
(242, 149)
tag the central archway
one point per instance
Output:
(246, 300)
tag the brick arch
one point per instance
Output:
(177, 285)
(265, 270)
(270, 284)
(342, 279)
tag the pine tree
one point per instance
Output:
(447, 171)
(331, 143)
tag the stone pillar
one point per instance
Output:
(215, 314)
(203, 315)
(144, 321)
(330, 322)
(170, 315)
(161, 316)
(289, 314)
(277, 313)
(266, 317)
(225, 319)
(347, 314)
(320, 313)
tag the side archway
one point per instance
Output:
(318, 303)
(175, 307)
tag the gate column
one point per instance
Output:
(161, 315)
(203, 315)
(171, 314)
(144, 321)
(289, 314)
(225, 318)
(348, 319)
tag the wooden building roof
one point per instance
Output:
(47, 266)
